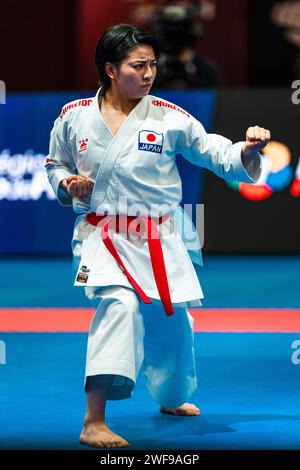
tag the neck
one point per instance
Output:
(119, 102)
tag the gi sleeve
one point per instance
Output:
(59, 163)
(220, 155)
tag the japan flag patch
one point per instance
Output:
(150, 141)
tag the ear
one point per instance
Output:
(110, 70)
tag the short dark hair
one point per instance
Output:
(115, 44)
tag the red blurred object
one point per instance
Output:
(255, 192)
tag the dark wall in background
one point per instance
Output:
(36, 44)
(49, 45)
(225, 41)
(235, 224)
(93, 17)
(272, 59)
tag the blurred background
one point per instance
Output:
(232, 64)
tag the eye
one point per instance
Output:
(138, 66)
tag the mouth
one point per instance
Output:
(147, 85)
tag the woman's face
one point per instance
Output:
(135, 75)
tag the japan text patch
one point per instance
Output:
(150, 141)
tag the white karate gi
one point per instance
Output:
(135, 170)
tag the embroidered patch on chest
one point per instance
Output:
(83, 145)
(150, 141)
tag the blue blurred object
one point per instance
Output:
(281, 179)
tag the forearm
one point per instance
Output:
(252, 164)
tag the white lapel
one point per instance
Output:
(115, 144)
(103, 133)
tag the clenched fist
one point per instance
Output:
(77, 185)
(256, 139)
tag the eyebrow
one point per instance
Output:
(143, 60)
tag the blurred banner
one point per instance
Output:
(238, 217)
(32, 222)
(263, 217)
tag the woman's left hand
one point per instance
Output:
(256, 139)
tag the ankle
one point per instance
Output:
(88, 420)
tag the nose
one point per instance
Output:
(148, 73)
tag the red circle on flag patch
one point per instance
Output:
(151, 137)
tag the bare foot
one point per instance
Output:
(187, 409)
(99, 435)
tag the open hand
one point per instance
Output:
(77, 186)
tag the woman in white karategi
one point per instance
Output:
(113, 157)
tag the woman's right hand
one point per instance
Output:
(77, 186)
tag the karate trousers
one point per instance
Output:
(126, 335)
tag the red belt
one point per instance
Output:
(149, 226)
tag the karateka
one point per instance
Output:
(113, 158)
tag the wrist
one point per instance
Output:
(247, 151)
(63, 184)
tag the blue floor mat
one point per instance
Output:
(248, 392)
(227, 281)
